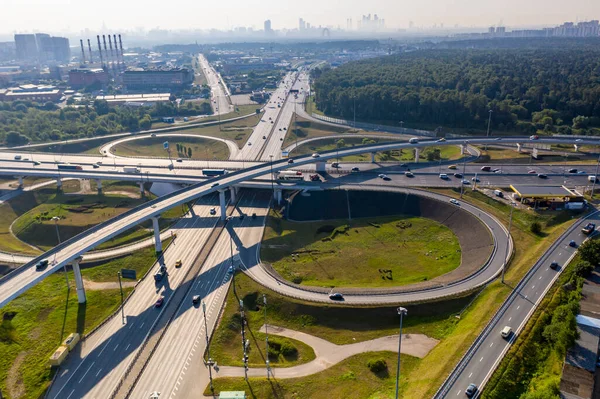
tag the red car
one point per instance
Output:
(159, 302)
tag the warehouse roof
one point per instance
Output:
(527, 191)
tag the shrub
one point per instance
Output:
(288, 349)
(535, 228)
(377, 365)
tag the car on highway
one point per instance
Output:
(486, 168)
(153, 135)
(459, 175)
(573, 244)
(381, 175)
(572, 170)
(336, 296)
(441, 140)
(455, 202)
(159, 302)
(355, 169)
(95, 166)
(242, 216)
(285, 128)
(249, 143)
(290, 161)
(506, 332)
(231, 270)
(452, 167)
(314, 177)
(498, 138)
(179, 160)
(315, 155)
(387, 178)
(496, 170)
(534, 137)
(214, 185)
(155, 395)
(409, 174)
(280, 129)
(271, 122)
(264, 137)
(36, 163)
(554, 265)
(41, 265)
(471, 390)
(588, 228)
(465, 181)
(196, 299)
(254, 216)
(335, 165)
(178, 263)
(542, 176)
(17, 157)
(532, 172)
(475, 179)
(443, 176)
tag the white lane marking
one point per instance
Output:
(540, 278)
(481, 358)
(470, 375)
(131, 325)
(458, 393)
(91, 365)
(105, 345)
(116, 346)
(492, 344)
(518, 307)
(533, 286)
(70, 394)
(98, 372)
(144, 322)
(510, 318)
(128, 345)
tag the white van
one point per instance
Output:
(414, 140)
(592, 179)
(506, 331)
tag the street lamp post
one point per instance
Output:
(512, 208)
(401, 126)
(266, 338)
(354, 98)
(244, 340)
(462, 181)
(402, 312)
(595, 178)
(212, 389)
(55, 219)
(488, 127)
(272, 181)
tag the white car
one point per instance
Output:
(455, 202)
(315, 155)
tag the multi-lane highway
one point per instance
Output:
(482, 359)
(220, 100)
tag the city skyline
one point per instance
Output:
(63, 16)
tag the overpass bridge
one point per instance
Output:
(70, 251)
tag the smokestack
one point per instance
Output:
(100, 50)
(117, 52)
(121, 46)
(90, 49)
(111, 52)
(82, 51)
(105, 49)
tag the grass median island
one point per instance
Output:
(36, 323)
(201, 148)
(372, 252)
(349, 379)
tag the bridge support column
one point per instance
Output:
(278, 196)
(157, 242)
(99, 186)
(372, 157)
(463, 149)
(519, 147)
(320, 166)
(59, 183)
(416, 155)
(141, 188)
(232, 193)
(78, 280)
(222, 204)
(576, 147)
(20, 181)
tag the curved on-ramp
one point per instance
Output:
(373, 296)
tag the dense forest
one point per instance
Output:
(528, 90)
(22, 121)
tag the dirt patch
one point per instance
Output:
(124, 193)
(14, 380)
(111, 285)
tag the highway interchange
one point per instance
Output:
(93, 373)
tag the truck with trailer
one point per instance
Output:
(213, 172)
(131, 169)
(67, 166)
(290, 175)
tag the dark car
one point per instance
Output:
(471, 390)
(254, 216)
(572, 170)
(41, 265)
(459, 175)
(159, 302)
(542, 176)
(573, 244)
(290, 161)
(355, 169)
(554, 265)
(196, 299)
(336, 296)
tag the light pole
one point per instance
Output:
(354, 98)
(401, 126)
(267, 337)
(488, 128)
(55, 219)
(512, 208)
(272, 182)
(462, 181)
(595, 178)
(212, 389)
(244, 340)
(402, 312)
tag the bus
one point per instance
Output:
(290, 175)
(66, 166)
(213, 172)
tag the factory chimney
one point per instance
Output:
(100, 51)
(90, 50)
(82, 52)
(121, 46)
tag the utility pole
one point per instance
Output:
(210, 361)
(121, 287)
(401, 126)
(512, 208)
(267, 337)
(595, 178)
(488, 128)
(55, 219)
(244, 345)
(272, 177)
(354, 98)
(401, 312)
(462, 181)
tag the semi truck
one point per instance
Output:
(213, 172)
(131, 169)
(66, 166)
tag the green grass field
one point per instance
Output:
(153, 147)
(373, 252)
(349, 379)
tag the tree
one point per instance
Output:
(340, 143)
(15, 138)
(589, 251)
(101, 107)
(580, 122)
(535, 228)
(189, 152)
(377, 365)
(146, 122)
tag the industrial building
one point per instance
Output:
(42, 47)
(136, 100)
(85, 77)
(37, 93)
(148, 79)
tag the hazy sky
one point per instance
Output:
(76, 15)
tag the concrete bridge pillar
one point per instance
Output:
(157, 242)
(372, 157)
(278, 195)
(232, 193)
(576, 147)
(519, 147)
(417, 155)
(222, 204)
(141, 188)
(20, 181)
(463, 149)
(320, 166)
(78, 280)
(59, 183)
(99, 185)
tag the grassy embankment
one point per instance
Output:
(511, 156)
(341, 325)
(45, 315)
(374, 252)
(153, 147)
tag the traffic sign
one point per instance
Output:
(166, 145)
(128, 273)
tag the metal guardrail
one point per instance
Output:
(372, 126)
(462, 363)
